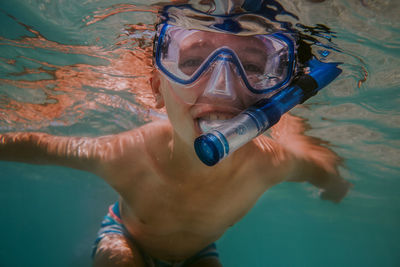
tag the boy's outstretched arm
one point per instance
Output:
(82, 153)
(312, 162)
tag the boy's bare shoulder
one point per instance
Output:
(157, 137)
(131, 152)
(140, 142)
(136, 140)
(160, 129)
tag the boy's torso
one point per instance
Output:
(174, 212)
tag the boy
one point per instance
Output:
(172, 207)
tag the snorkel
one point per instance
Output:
(216, 144)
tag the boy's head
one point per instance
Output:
(210, 68)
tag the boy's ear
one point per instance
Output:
(155, 86)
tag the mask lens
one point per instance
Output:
(189, 61)
(264, 60)
(272, 66)
(180, 55)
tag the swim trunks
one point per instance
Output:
(112, 224)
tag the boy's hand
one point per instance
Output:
(336, 191)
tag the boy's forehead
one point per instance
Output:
(202, 38)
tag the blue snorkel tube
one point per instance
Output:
(216, 144)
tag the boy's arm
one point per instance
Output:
(39, 148)
(333, 187)
(312, 162)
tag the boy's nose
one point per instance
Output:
(222, 81)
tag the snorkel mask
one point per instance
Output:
(222, 47)
(221, 56)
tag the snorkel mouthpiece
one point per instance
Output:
(219, 142)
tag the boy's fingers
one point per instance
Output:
(337, 192)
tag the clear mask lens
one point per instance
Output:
(264, 62)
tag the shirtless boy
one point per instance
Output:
(172, 207)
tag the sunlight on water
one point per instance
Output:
(48, 83)
(83, 68)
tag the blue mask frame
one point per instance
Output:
(224, 53)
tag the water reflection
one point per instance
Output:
(39, 93)
(47, 83)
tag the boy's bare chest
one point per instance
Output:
(197, 204)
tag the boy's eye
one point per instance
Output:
(189, 66)
(252, 68)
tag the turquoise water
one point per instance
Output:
(59, 73)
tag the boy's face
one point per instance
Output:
(184, 116)
(218, 94)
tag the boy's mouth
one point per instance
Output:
(212, 120)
